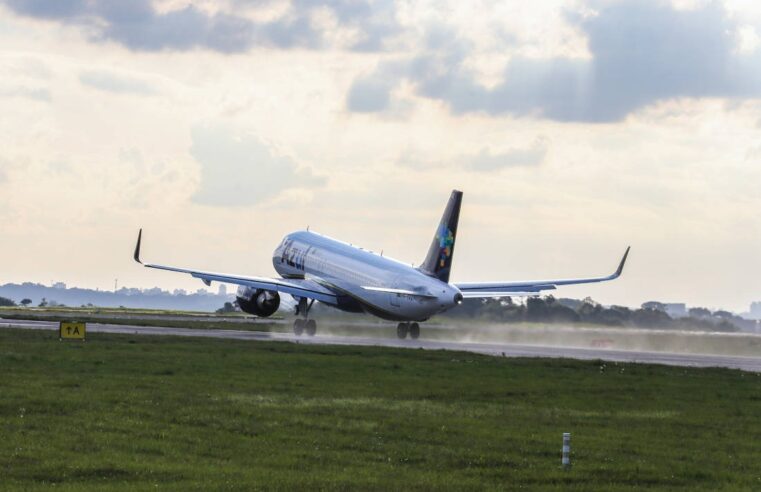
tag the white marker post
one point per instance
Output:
(566, 450)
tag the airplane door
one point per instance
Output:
(395, 299)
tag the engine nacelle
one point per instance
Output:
(259, 302)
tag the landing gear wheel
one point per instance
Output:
(401, 330)
(298, 327)
(414, 331)
(311, 327)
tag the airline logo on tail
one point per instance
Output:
(446, 240)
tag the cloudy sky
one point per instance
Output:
(575, 128)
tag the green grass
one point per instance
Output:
(201, 324)
(123, 413)
(146, 317)
(5, 310)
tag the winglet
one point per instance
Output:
(137, 246)
(620, 269)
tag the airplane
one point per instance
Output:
(313, 267)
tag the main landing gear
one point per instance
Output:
(402, 329)
(305, 325)
(301, 325)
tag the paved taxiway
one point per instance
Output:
(751, 364)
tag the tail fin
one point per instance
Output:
(438, 262)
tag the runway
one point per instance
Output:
(750, 364)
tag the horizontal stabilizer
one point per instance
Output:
(486, 295)
(400, 291)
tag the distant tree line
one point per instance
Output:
(228, 307)
(25, 302)
(60, 296)
(550, 310)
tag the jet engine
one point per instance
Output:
(259, 302)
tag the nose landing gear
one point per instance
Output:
(413, 329)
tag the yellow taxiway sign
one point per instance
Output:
(71, 330)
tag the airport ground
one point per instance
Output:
(125, 412)
(586, 342)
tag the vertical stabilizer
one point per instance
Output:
(438, 262)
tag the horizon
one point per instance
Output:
(230, 291)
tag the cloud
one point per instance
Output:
(369, 95)
(290, 32)
(181, 29)
(753, 154)
(60, 9)
(372, 93)
(374, 20)
(643, 51)
(486, 161)
(241, 170)
(34, 93)
(113, 82)
(139, 26)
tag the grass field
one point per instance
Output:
(123, 413)
(146, 317)
(205, 324)
(85, 310)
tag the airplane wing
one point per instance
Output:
(296, 287)
(531, 288)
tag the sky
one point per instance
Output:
(575, 129)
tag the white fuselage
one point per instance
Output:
(349, 270)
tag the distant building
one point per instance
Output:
(180, 292)
(658, 306)
(755, 310)
(222, 290)
(129, 291)
(673, 309)
(59, 285)
(676, 309)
